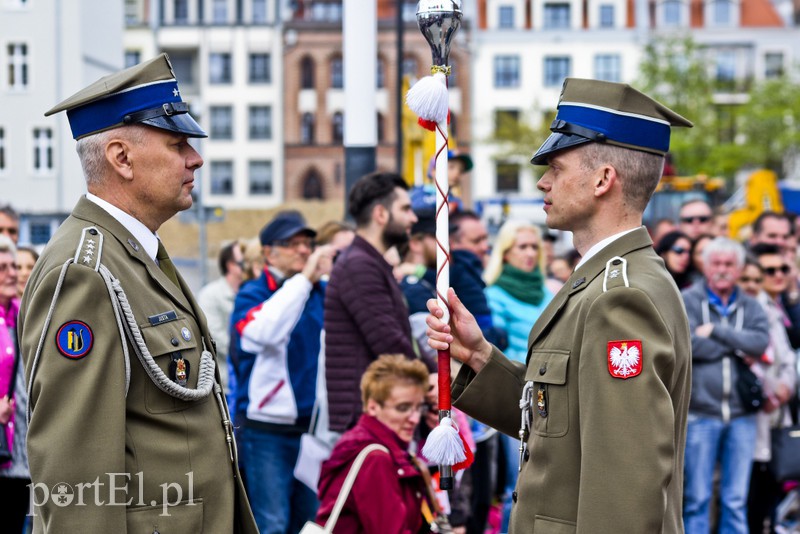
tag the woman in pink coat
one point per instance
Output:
(388, 493)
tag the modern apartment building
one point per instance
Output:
(49, 49)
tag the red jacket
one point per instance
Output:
(387, 495)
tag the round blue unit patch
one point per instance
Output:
(74, 340)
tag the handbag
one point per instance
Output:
(312, 528)
(5, 446)
(749, 387)
(785, 462)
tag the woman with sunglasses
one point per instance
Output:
(389, 493)
(776, 368)
(675, 248)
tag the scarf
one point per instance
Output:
(524, 286)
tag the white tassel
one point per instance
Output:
(444, 445)
(428, 98)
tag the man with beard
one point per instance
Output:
(365, 313)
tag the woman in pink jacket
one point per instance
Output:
(388, 494)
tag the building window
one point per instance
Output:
(221, 122)
(260, 177)
(307, 73)
(259, 11)
(337, 73)
(2, 150)
(260, 122)
(181, 11)
(17, 66)
(507, 177)
(505, 17)
(773, 65)
(132, 57)
(726, 67)
(722, 12)
(219, 67)
(183, 67)
(338, 127)
(555, 70)
(219, 14)
(607, 16)
(326, 11)
(222, 178)
(40, 233)
(260, 68)
(380, 74)
(132, 13)
(312, 186)
(380, 123)
(307, 124)
(672, 13)
(506, 123)
(410, 11)
(42, 150)
(506, 71)
(608, 67)
(556, 16)
(410, 67)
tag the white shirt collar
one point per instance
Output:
(601, 245)
(146, 238)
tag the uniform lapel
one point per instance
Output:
(581, 278)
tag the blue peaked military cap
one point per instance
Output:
(147, 94)
(607, 112)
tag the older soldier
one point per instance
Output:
(606, 387)
(128, 429)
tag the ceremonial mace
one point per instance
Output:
(438, 21)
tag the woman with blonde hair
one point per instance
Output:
(517, 295)
(389, 493)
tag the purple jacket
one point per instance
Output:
(365, 316)
(387, 494)
(8, 319)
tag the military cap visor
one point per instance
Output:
(606, 112)
(147, 94)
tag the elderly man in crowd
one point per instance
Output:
(729, 329)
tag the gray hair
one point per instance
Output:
(7, 245)
(724, 245)
(639, 171)
(91, 150)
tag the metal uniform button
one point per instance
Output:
(93, 231)
(543, 369)
(174, 342)
(616, 262)
(514, 496)
(526, 455)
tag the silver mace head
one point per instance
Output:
(438, 21)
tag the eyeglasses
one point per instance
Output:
(696, 218)
(407, 408)
(295, 243)
(772, 271)
(679, 250)
(747, 280)
(10, 230)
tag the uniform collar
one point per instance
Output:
(148, 239)
(597, 247)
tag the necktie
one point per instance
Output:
(166, 265)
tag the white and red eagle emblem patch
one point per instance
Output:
(625, 358)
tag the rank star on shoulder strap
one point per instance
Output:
(90, 248)
(616, 274)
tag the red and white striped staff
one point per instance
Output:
(438, 21)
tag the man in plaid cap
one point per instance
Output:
(116, 442)
(605, 389)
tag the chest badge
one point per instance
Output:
(541, 401)
(186, 334)
(179, 369)
(625, 358)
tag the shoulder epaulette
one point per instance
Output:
(90, 248)
(616, 274)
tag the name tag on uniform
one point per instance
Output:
(161, 318)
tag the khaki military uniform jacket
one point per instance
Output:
(605, 454)
(103, 461)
